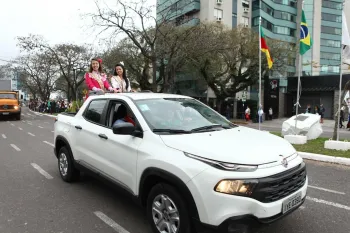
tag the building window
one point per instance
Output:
(331, 17)
(330, 43)
(284, 15)
(218, 14)
(291, 3)
(330, 30)
(245, 21)
(267, 9)
(330, 56)
(332, 5)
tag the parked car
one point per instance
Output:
(190, 167)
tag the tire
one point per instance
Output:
(18, 117)
(165, 193)
(66, 166)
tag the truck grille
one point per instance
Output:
(5, 107)
(278, 186)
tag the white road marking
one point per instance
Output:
(29, 114)
(110, 222)
(46, 122)
(40, 127)
(327, 190)
(48, 143)
(4, 136)
(20, 128)
(12, 124)
(328, 203)
(41, 171)
(24, 121)
(31, 134)
(15, 147)
(302, 207)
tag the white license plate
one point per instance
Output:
(291, 203)
(5, 113)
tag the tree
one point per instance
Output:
(70, 59)
(39, 74)
(228, 59)
(137, 66)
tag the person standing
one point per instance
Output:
(119, 81)
(96, 79)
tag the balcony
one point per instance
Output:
(192, 7)
(191, 22)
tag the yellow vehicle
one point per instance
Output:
(9, 104)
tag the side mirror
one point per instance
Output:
(124, 128)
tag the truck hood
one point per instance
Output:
(239, 145)
(8, 102)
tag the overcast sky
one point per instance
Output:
(58, 21)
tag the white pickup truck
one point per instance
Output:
(191, 169)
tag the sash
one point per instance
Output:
(98, 79)
(120, 82)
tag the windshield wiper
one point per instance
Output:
(207, 127)
(175, 131)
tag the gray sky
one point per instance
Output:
(58, 21)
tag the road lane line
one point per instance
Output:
(41, 171)
(12, 124)
(15, 147)
(302, 207)
(29, 114)
(4, 136)
(24, 121)
(48, 143)
(110, 222)
(31, 134)
(20, 128)
(326, 190)
(328, 203)
(40, 127)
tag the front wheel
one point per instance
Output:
(166, 210)
(66, 166)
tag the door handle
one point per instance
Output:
(103, 136)
(78, 127)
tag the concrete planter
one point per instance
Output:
(337, 145)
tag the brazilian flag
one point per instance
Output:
(305, 38)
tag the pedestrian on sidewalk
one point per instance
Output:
(341, 120)
(247, 114)
(321, 112)
(270, 113)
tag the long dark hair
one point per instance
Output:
(99, 67)
(124, 74)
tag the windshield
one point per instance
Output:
(180, 114)
(7, 96)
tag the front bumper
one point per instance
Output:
(7, 113)
(219, 210)
(241, 224)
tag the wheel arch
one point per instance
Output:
(61, 142)
(152, 176)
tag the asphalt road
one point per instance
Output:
(33, 198)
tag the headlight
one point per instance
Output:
(236, 187)
(223, 165)
(16, 107)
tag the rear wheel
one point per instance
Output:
(66, 166)
(166, 210)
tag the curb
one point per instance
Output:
(41, 114)
(325, 158)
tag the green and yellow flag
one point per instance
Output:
(305, 37)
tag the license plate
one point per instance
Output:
(291, 203)
(5, 113)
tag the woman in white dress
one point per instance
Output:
(119, 81)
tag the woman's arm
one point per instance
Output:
(89, 82)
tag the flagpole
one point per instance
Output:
(259, 73)
(259, 64)
(341, 77)
(299, 74)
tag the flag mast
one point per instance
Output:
(341, 73)
(299, 75)
(259, 64)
